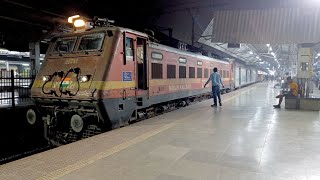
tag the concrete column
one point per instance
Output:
(34, 49)
(305, 68)
(7, 65)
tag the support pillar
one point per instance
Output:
(305, 69)
(34, 49)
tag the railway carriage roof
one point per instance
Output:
(157, 45)
(184, 53)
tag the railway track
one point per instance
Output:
(14, 157)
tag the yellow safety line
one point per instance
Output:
(83, 163)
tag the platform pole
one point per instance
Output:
(12, 89)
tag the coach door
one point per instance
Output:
(141, 73)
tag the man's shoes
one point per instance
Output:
(277, 106)
(220, 104)
(213, 105)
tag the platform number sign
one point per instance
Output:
(126, 76)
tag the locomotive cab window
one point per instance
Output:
(91, 42)
(64, 45)
(129, 47)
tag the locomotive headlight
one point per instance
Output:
(70, 19)
(79, 23)
(45, 78)
(84, 78)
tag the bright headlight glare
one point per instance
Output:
(70, 19)
(84, 78)
(79, 23)
(45, 78)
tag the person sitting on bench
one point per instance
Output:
(292, 93)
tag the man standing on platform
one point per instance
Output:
(215, 79)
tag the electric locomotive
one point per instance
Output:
(100, 77)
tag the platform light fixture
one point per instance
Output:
(268, 45)
(250, 52)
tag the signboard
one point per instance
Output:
(126, 76)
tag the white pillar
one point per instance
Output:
(7, 65)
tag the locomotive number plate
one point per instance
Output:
(71, 61)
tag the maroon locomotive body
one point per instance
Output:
(105, 77)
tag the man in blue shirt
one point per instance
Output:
(215, 79)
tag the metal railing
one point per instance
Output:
(15, 88)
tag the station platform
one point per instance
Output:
(245, 139)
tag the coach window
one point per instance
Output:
(228, 74)
(156, 71)
(211, 71)
(129, 47)
(171, 71)
(224, 74)
(182, 72)
(220, 72)
(199, 72)
(192, 72)
(206, 73)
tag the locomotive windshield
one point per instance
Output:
(91, 42)
(65, 45)
(88, 42)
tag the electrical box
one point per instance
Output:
(305, 63)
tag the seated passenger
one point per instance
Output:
(292, 93)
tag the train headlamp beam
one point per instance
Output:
(79, 23)
(72, 18)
